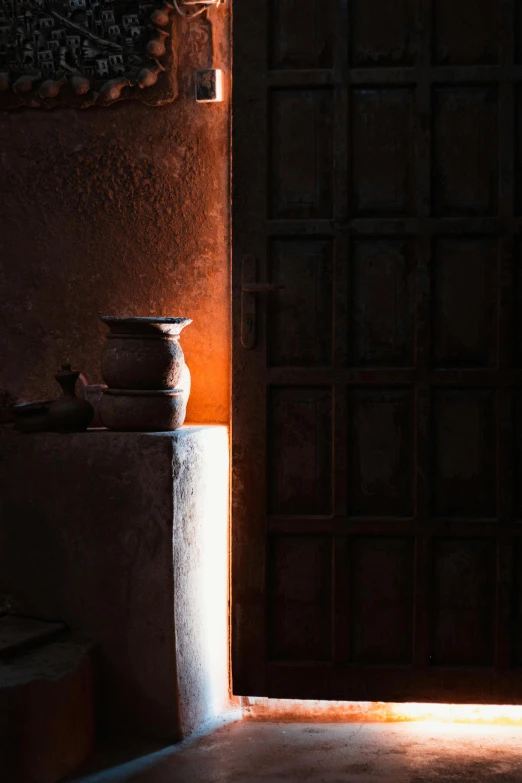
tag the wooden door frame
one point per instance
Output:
(247, 574)
(249, 643)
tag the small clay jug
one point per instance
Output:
(69, 413)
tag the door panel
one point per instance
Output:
(299, 448)
(382, 163)
(464, 270)
(299, 598)
(296, 46)
(301, 183)
(465, 175)
(300, 318)
(380, 452)
(381, 330)
(480, 20)
(464, 454)
(463, 602)
(381, 607)
(383, 32)
(377, 415)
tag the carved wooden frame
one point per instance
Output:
(134, 59)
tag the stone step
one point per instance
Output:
(47, 720)
(18, 634)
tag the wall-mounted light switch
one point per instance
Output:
(209, 86)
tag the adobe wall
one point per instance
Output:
(119, 210)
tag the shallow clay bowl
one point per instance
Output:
(32, 416)
(142, 411)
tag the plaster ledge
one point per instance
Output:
(124, 536)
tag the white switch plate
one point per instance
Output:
(209, 86)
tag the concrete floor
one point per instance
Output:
(255, 752)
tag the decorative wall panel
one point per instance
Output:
(85, 52)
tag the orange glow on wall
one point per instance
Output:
(376, 712)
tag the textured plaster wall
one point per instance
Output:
(124, 537)
(123, 210)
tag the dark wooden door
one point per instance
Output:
(377, 420)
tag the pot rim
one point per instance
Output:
(143, 392)
(145, 319)
(160, 327)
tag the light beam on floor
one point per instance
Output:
(295, 710)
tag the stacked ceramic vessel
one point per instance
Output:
(148, 382)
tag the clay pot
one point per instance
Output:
(32, 416)
(161, 16)
(143, 353)
(50, 88)
(26, 83)
(69, 413)
(147, 77)
(156, 48)
(185, 383)
(143, 411)
(80, 84)
(112, 89)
